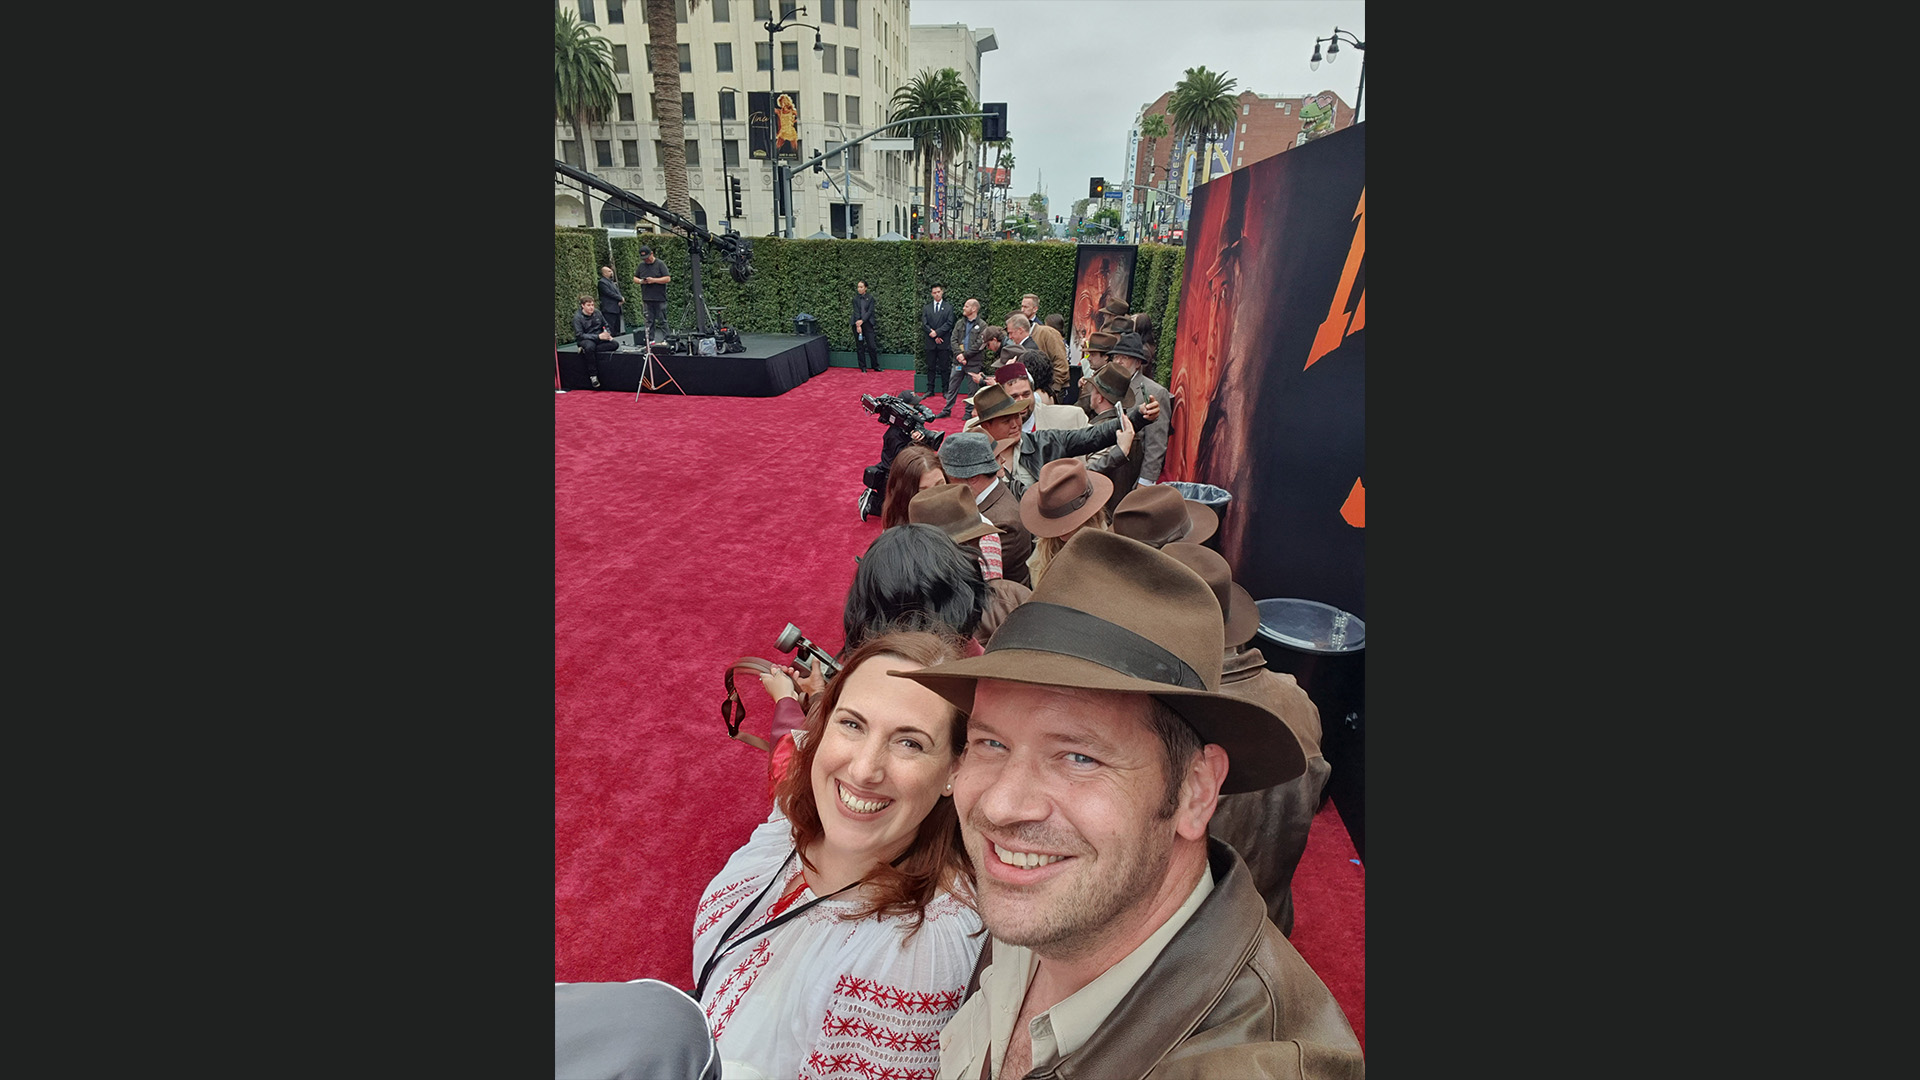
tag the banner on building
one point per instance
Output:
(1269, 369)
(1102, 272)
(759, 125)
(939, 191)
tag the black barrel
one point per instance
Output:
(1324, 649)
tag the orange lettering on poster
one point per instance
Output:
(1354, 510)
(1336, 327)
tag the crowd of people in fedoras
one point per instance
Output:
(1041, 814)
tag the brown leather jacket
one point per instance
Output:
(1228, 997)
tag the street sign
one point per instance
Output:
(891, 144)
(1111, 193)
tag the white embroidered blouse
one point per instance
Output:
(820, 996)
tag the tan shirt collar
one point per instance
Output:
(985, 1023)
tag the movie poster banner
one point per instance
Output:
(1269, 368)
(776, 126)
(1102, 272)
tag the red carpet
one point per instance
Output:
(689, 531)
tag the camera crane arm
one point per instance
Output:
(738, 251)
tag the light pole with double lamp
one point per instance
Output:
(789, 17)
(1333, 50)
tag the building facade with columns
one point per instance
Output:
(841, 91)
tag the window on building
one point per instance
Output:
(693, 153)
(680, 11)
(762, 11)
(630, 153)
(853, 157)
(727, 106)
(853, 109)
(570, 153)
(648, 49)
(1243, 129)
(789, 56)
(603, 153)
(686, 57)
(616, 12)
(626, 106)
(730, 153)
(829, 61)
(853, 15)
(1244, 109)
(723, 56)
(853, 60)
(586, 11)
(720, 11)
(653, 106)
(832, 111)
(826, 11)
(620, 58)
(762, 56)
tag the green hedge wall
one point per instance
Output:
(573, 274)
(1169, 326)
(599, 236)
(817, 277)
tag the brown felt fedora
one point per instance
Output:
(993, 402)
(1115, 306)
(950, 507)
(1102, 340)
(1155, 514)
(1242, 616)
(1114, 614)
(1066, 496)
(1113, 383)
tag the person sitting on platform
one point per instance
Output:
(590, 334)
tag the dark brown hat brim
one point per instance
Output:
(1243, 616)
(1205, 522)
(1262, 751)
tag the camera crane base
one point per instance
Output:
(651, 381)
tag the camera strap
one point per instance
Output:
(733, 711)
(725, 946)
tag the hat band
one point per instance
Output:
(1069, 506)
(1055, 628)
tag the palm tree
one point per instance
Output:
(583, 85)
(934, 94)
(664, 36)
(1006, 189)
(1000, 149)
(1203, 108)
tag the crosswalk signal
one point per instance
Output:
(733, 196)
(1096, 187)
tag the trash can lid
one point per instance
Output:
(1310, 625)
(1206, 494)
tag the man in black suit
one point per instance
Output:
(937, 319)
(611, 300)
(866, 328)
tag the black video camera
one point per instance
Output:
(791, 638)
(907, 415)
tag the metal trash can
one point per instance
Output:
(1324, 649)
(1213, 498)
(804, 323)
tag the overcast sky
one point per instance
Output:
(1074, 72)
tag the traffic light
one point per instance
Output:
(993, 126)
(1096, 187)
(733, 196)
(914, 229)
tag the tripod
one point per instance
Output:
(651, 381)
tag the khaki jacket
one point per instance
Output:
(1228, 997)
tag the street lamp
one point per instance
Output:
(788, 18)
(1333, 51)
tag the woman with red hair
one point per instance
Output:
(913, 471)
(854, 898)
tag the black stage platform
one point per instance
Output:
(772, 365)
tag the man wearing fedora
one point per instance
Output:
(1269, 827)
(1130, 355)
(1123, 941)
(967, 458)
(1002, 416)
(1107, 394)
(1157, 515)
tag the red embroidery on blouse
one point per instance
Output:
(731, 995)
(879, 1032)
